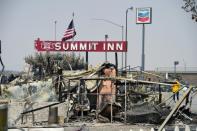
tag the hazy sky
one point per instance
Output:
(171, 36)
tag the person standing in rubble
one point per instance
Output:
(175, 90)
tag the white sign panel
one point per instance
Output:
(144, 15)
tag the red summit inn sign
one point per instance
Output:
(83, 46)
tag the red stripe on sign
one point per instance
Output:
(144, 19)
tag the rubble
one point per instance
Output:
(94, 95)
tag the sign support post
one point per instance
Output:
(143, 44)
(143, 16)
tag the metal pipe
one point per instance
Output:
(126, 40)
(122, 28)
(40, 108)
(59, 89)
(96, 94)
(108, 21)
(116, 62)
(82, 98)
(125, 110)
(143, 44)
(106, 36)
(68, 100)
(160, 94)
(128, 79)
(111, 103)
(131, 8)
(97, 106)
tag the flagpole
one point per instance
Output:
(74, 28)
(55, 22)
(72, 53)
(73, 24)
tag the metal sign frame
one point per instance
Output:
(144, 15)
(81, 46)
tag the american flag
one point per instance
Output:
(70, 32)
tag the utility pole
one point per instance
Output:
(122, 28)
(126, 42)
(131, 8)
(122, 31)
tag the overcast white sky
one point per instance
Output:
(171, 36)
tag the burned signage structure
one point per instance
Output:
(104, 94)
(82, 46)
(101, 94)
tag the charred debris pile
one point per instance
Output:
(101, 94)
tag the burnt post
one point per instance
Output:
(86, 66)
(59, 83)
(116, 62)
(53, 115)
(160, 95)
